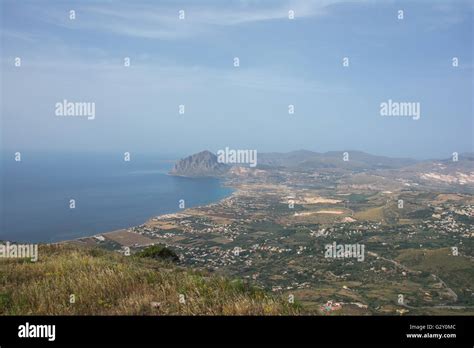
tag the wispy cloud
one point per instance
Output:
(25, 36)
(159, 21)
(169, 76)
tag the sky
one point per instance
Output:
(283, 62)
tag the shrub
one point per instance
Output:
(159, 252)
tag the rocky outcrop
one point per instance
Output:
(202, 164)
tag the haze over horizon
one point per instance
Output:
(190, 62)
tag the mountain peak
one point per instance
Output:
(201, 164)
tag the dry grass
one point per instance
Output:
(372, 214)
(107, 283)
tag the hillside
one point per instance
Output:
(108, 283)
(304, 159)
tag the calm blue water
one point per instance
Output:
(110, 194)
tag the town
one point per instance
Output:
(272, 232)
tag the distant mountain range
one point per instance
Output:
(205, 163)
(304, 159)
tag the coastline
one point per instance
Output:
(108, 197)
(114, 233)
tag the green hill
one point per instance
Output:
(107, 283)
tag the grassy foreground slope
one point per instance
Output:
(107, 283)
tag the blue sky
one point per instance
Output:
(282, 62)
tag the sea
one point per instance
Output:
(106, 192)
